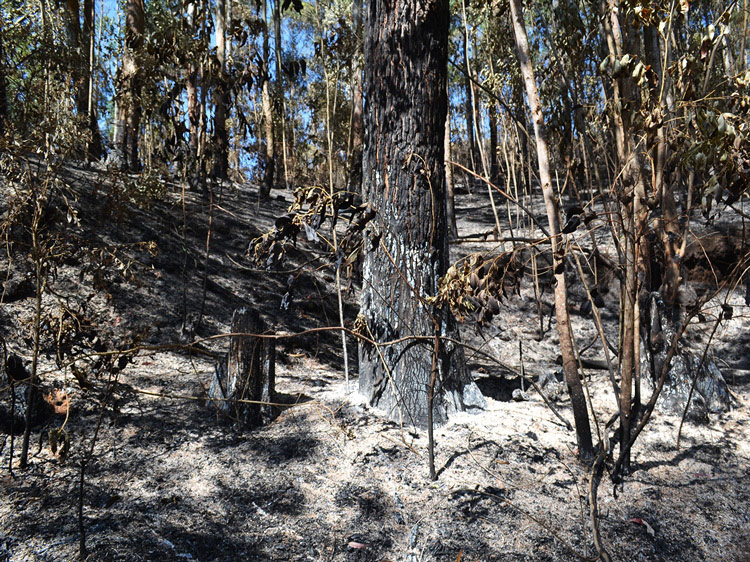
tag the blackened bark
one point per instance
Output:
(270, 148)
(95, 147)
(221, 97)
(404, 181)
(243, 387)
(193, 111)
(76, 46)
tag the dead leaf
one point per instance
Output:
(59, 400)
(639, 521)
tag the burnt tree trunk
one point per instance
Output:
(95, 145)
(404, 182)
(221, 96)
(243, 384)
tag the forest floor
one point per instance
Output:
(329, 479)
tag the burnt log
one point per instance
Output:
(243, 385)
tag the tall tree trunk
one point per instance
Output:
(3, 91)
(193, 111)
(77, 45)
(129, 86)
(221, 145)
(95, 148)
(631, 201)
(570, 366)
(406, 48)
(357, 130)
(279, 86)
(522, 129)
(494, 164)
(270, 149)
(469, 101)
(191, 86)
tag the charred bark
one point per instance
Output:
(221, 97)
(406, 102)
(243, 388)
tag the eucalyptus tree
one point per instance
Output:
(129, 85)
(678, 113)
(570, 365)
(3, 91)
(409, 368)
(221, 94)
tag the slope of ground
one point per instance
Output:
(329, 479)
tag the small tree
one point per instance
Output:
(570, 366)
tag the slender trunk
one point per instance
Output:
(221, 148)
(3, 94)
(570, 366)
(743, 43)
(77, 45)
(191, 86)
(468, 105)
(522, 127)
(357, 132)
(633, 213)
(279, 86)
(95, 148)
(270, 149)
(202, 126)
(129, 86)
(450, 196)
(193, 111)
(494, 163)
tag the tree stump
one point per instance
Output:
(687, 369)
(243, 385)
(21, 395)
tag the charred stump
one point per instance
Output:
(243, 385)
(21, 396)
(687, 369)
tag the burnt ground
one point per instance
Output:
(330, 479)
